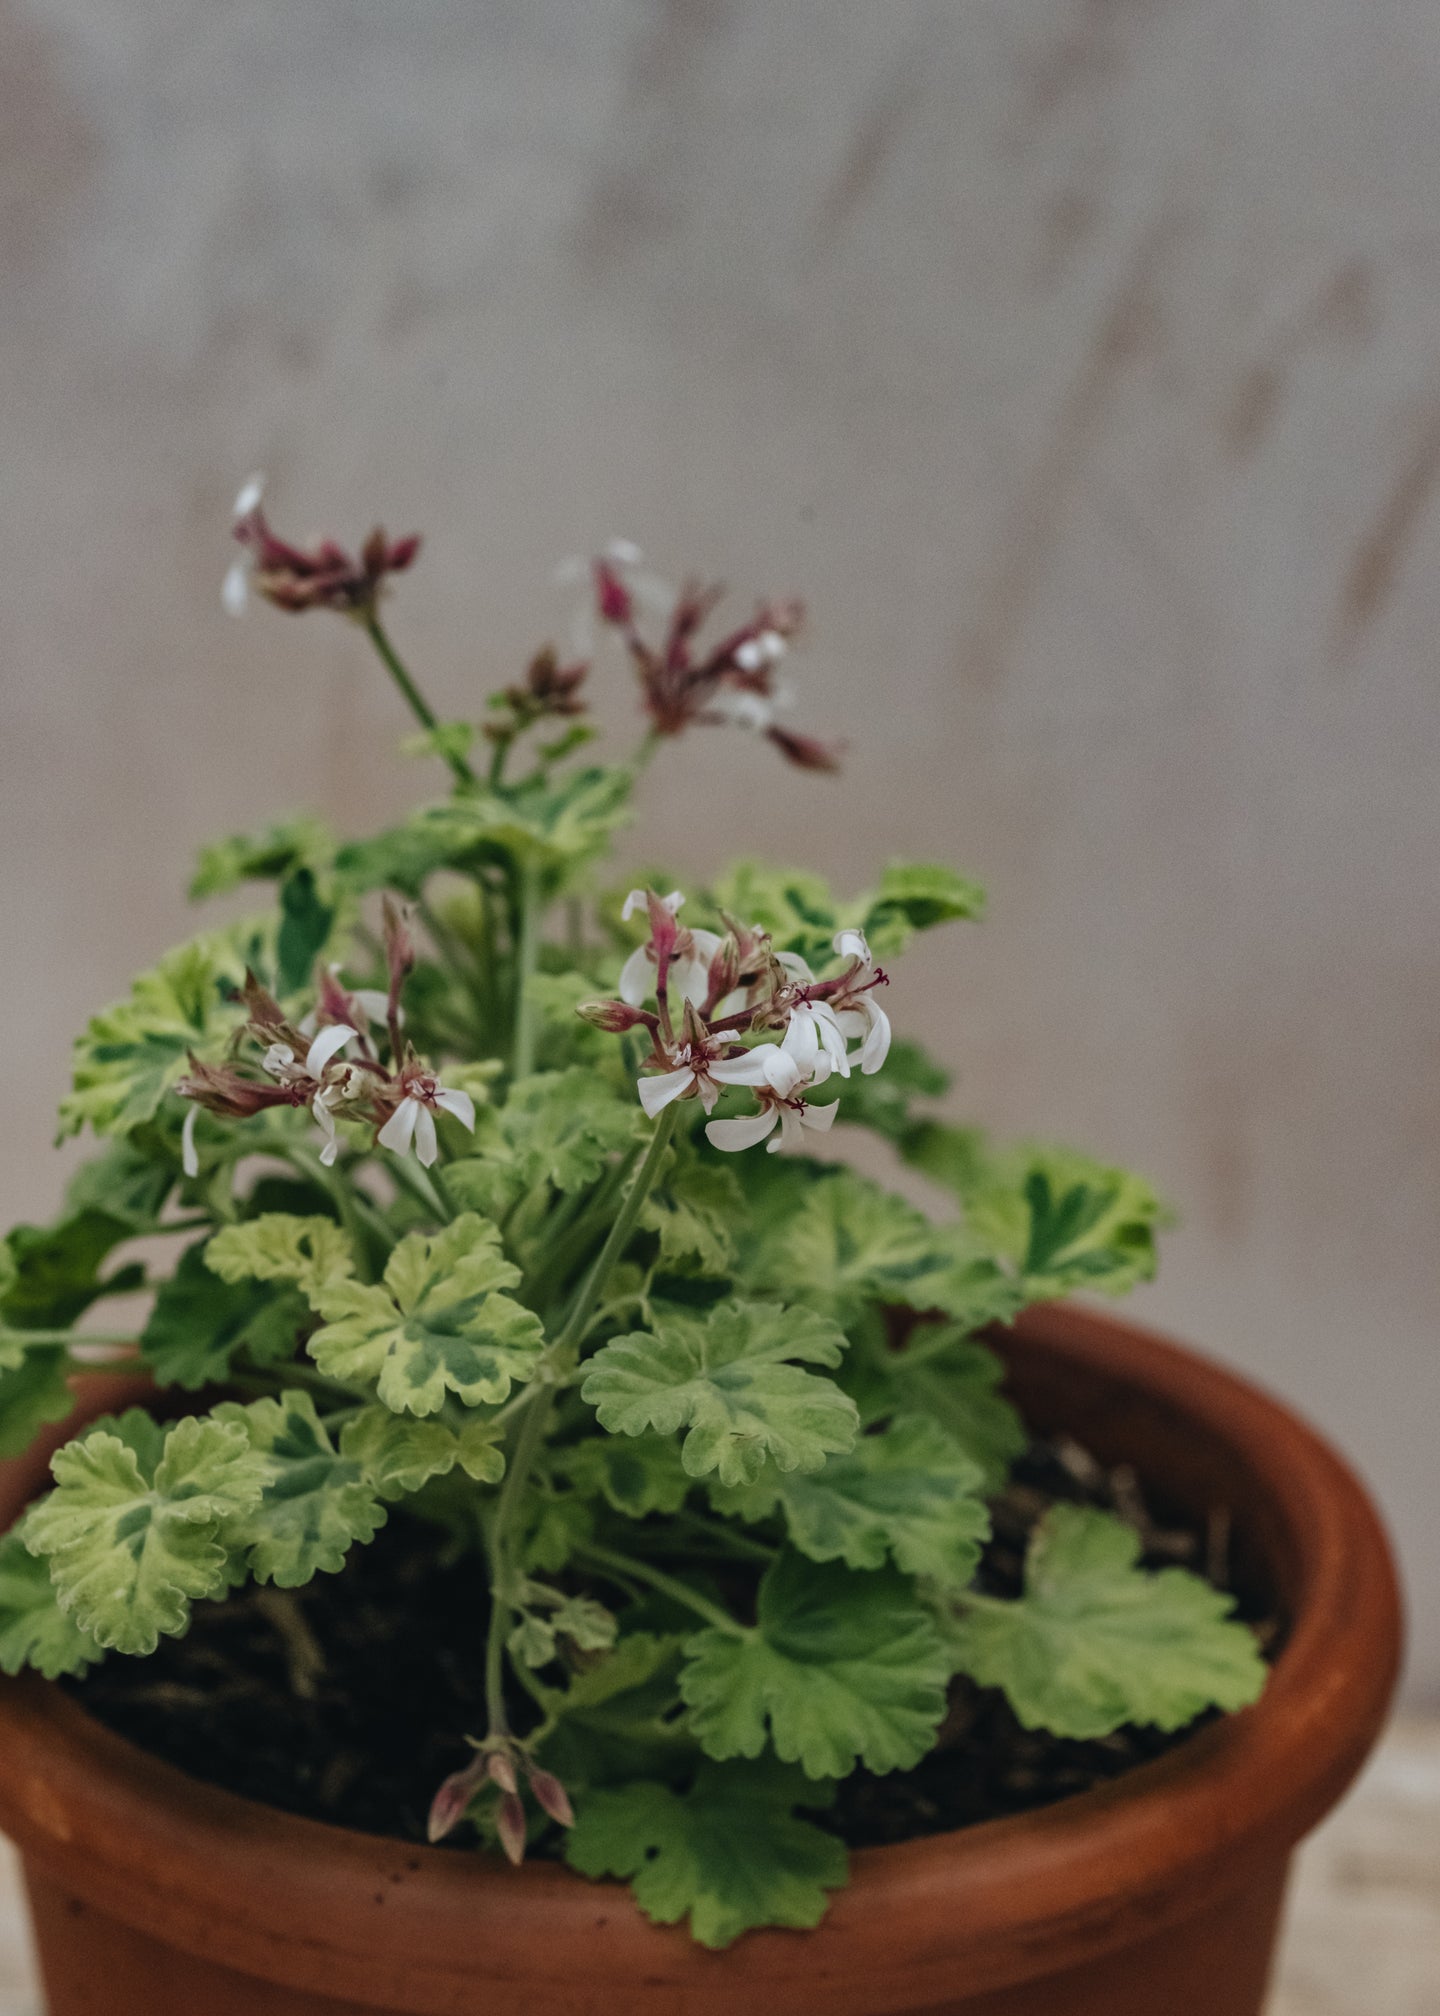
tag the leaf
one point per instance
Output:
(730, 1852)
(131, 1525)
(314, 1253)
(916, 896)
(796, 908)
(439, 1324)
(55, 1270)
(1097, 1642)
(907, 1495)
(1059, 1219)
(636, 1475)
(127, 1183)
(306, 921)
(840, 1667)
(34, 1630)
(132, 1053)
(316, 1503)
(397, 1455)
(615, 1719)
(727, 1378)
(264, 857)
(33, 1391)
(952, 1380)
(588, 1625)
(850, 1244)
(562, 1127)
(693, 1209)
(882, 1101)
(199, 1321)
(556, 1527)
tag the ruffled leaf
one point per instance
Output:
(730, 1852)
(728, 1377)
(34, 1630)
(313, 1253)
(199, 1322)
(637, 1475)
(839, 1668)
(440, 1323)
(316, 1503)
(398, 1454)
(1096, 1641)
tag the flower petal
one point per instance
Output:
(426, 1145)
(459, 1105)
(637, 978)
(235, 589)
(331, 1040)
(189, 1155)
(691, 980)
(850, 944)
(795, 966)
(820, 1119)
(764, 1065)
(656, 1093)
(876, 1047)
(733, 1135)
(251, 492)
(279, 1057)
(399, 1129)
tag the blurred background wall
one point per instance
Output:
(1079, 360)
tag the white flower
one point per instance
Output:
(815, 1038)
(768, 648)
(235, 589)
(413, 1120)
(280, 1062)
(689, 974)
(862, 1017)
(702, 1074)
(792, 1115)
(189, 1157)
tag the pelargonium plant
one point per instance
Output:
(470, 1163)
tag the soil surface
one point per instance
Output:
(349, 1700)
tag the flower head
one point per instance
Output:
(295, 578)
(412, 1123)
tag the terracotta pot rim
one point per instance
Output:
(140, 1840)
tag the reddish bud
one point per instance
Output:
(552, 1798)
(510, 1823)
(448, 1807)
(804, 751)
(615, 1017)
(501, 1768)
(612, 598)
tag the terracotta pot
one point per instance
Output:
(155, 1894)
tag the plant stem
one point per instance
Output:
(668, 1585)
(338, 1190)
(414, 699)
(618, 1238)
(527, 952)
(725, 1538)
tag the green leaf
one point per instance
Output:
(33, 1391)
(953, 1381)
(796, 908)
(562, 1127)
(34, 1630)
(730, 1853)
(316, 1503)
(615, 1719)
(636, 1475)
(1096, 1642)
(306, 921)
(840, 1667)
(398, 1455)
(850, 1244)
(439, 1324)
(313, 1253)
(916, 896)
(55, 1270)
(131, 1525)
(882, 1101)
(727, 1377)
(132, 1053)
(1060, 1220)
(264, 857)
(694, 1209)
(128, 1183)
(588, 1626)
(907, 1495)
(200, 1321)
(556, 1525)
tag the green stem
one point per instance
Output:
(414, 699)
(337, 1188)
(527, 953)
(578, 1321)
(668, 1585)
(97, 1337)
(725, 1538)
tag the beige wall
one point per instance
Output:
(1078, 359)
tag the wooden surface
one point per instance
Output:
(1363, 1937)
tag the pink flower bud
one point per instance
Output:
(511, 1826)
(502, 1769)
(552, 1798)
(612, 598)
(448, 1807)
(613, 1016)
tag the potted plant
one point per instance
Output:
(516, 1450)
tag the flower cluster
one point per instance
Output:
(330, 1063)
(323, 577)
(712, 992)
(684, 681)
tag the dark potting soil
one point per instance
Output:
(350, 1700)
